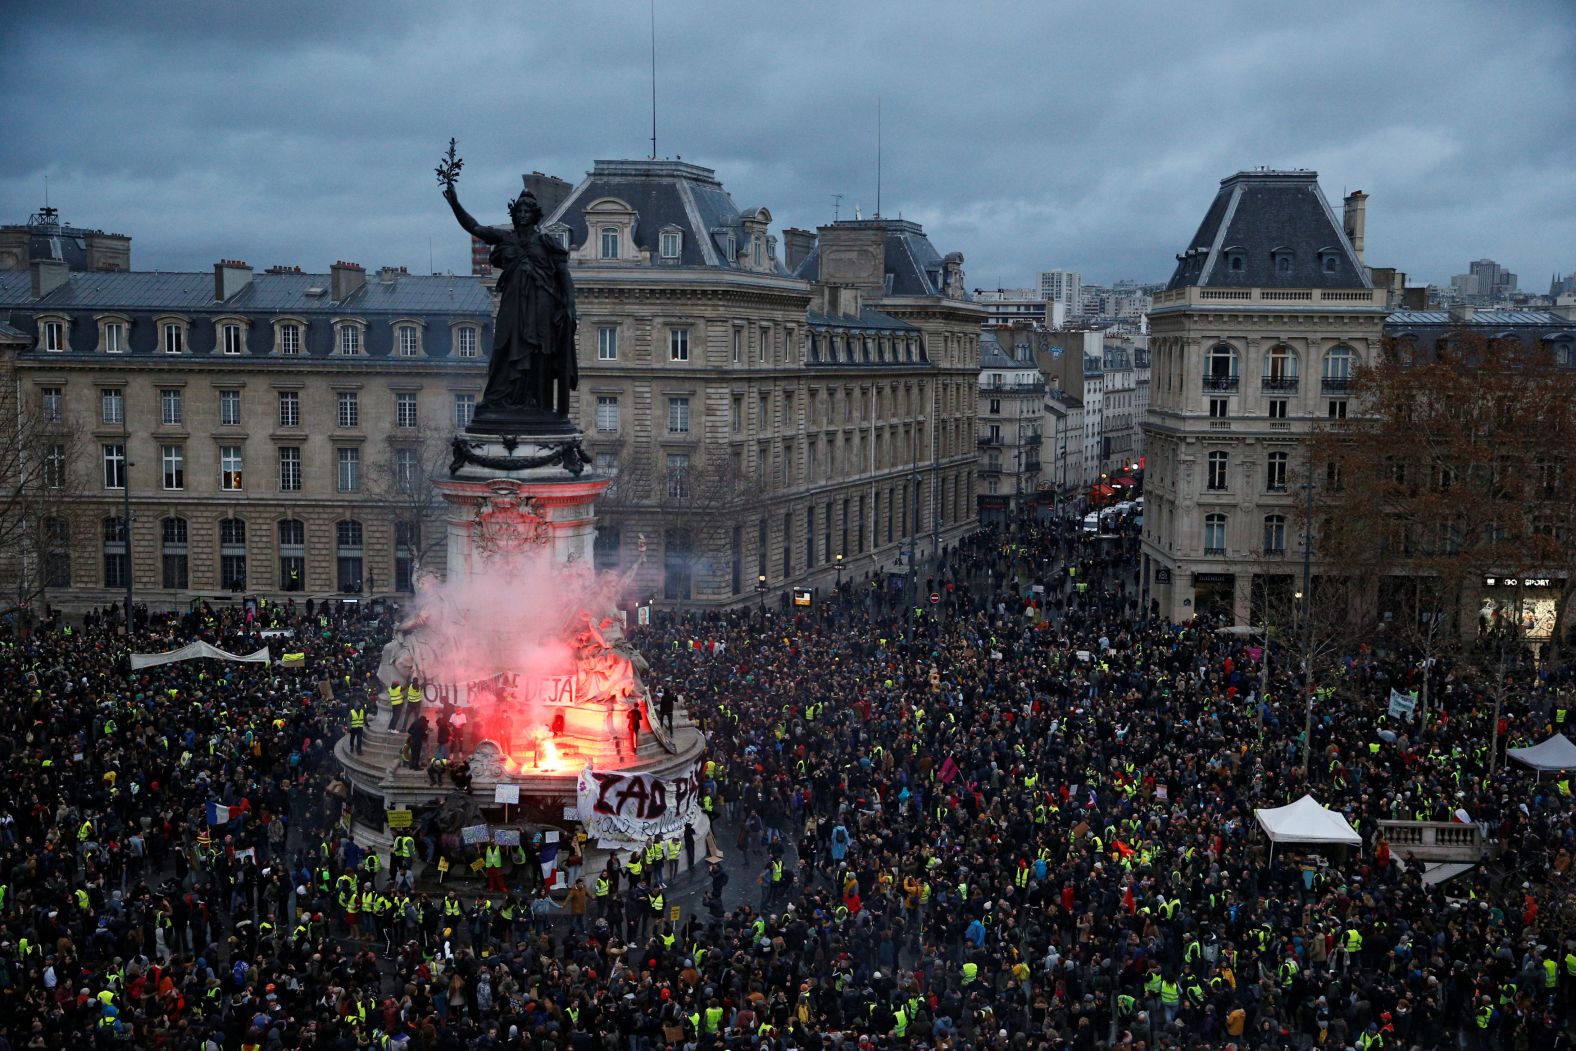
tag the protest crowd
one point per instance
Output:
(1012, 819)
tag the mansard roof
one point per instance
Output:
(665, 194)
(1258, 215)
(912, 265)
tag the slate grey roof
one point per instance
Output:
(142, 290)
(994, 356)
(913, 267)
(1481, 318)
(1254, 216)
(663, 194)
(868, 318)
(437, 300)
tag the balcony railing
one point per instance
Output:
(1026, 387)
(1214, 552)
(1280, 383)
(1221, 383)
(1336, 384)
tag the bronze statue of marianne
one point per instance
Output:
(533, 365)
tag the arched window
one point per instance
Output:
(1217, 471)
(172, 532)
(1338, 369)
(347, 534)
(1274, 534)
(1220, 368)
(292, 554)
(232, 554)
(114, 552)
(609, 242)
(1280, 368)
(1215, 534)
(1275, 473)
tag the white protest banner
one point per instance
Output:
(192, 651)
(471, 835)
(1402, 704)
(618, 805)
(506, 793)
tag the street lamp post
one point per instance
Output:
(760, 589)
(838, 588)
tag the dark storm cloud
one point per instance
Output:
(1026, 135)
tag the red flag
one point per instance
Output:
(948, 771)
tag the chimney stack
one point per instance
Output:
(1356, 219)
(229, 277)
(48, 275)
(346, 280)
(797, 244)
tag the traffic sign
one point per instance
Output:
(934, 598)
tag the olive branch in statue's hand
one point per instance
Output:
(449, 168)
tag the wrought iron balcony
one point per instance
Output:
(1226, 384)
(1336, 384)
(1280, 383)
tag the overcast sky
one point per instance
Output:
(1027, 135)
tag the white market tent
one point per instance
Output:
(1305, 821)
(1557, 753)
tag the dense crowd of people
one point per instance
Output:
(1020, 817)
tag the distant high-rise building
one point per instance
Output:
(1484, 282)
(1063, 286)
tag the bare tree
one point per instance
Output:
(1451, 479)
(38, 444)
(403, 477)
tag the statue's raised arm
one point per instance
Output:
(448, 171)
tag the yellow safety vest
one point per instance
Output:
(358, 718)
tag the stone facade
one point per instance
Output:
(280, 427)
(1252, 343)
(762, 422)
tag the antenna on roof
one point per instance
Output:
(878, 156)
(46, 191)
(837, 206)
(653, 79)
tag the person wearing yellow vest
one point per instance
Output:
(492, 865)
(396, 706)
(401, 853)
(357, 726)
(1170, 999)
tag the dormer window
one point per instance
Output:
(608, 242)
(758, 248)
(1236, 260)
(172, 335)
(1281, 258)
(349, 337)
(560, 233)
(730, 248)
(52, 334)
(671, 243)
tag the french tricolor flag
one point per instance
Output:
(219, 814)
(548, 856)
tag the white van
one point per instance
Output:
(1091, 522)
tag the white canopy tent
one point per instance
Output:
(1557, 753)
(1305, 821)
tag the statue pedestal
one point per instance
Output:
(513, 493)
(511, 496)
